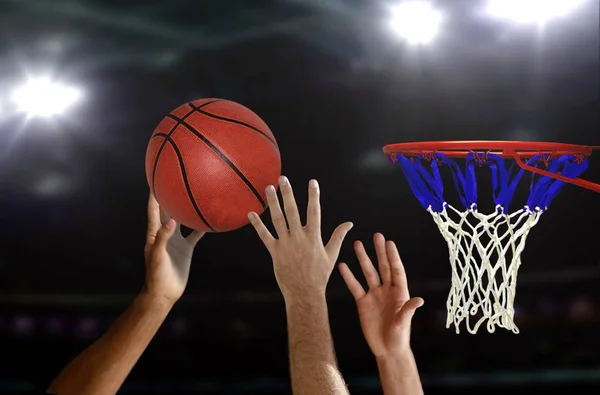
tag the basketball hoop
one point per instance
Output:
(485, 249)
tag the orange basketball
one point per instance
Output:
(208, 163)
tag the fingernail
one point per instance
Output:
(313, 184)
(251, 215)
(270, 190)
(283, 180)
(170, 224)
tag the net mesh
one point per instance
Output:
(485, 249)
(485, 256)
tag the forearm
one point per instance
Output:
(313, 366)
(399, 375)
(103, 367)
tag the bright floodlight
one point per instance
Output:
(416, 21)
(42, 97)
(531, 11)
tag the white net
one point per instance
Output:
(485, 255)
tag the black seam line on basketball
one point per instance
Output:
(162, 146)
(219, 117)
(225, 158)
(185, 179)
(191, 104)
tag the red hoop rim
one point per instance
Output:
(456, 148)
(517, 150)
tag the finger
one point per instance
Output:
(337, 238)
(354, 286)
(164, 234)
(194, 237)
(276, 214)
(397, 268)
(262, 231)
(405, 315)
(154, 223)
(366, 265)
(289, 203)
(164, 217)
(313, 214)
(382, 258)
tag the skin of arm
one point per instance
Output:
(302, 266)
(102, 368)
(313, 365)
(399, 374)
(386, 312)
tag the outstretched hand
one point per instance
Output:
(168, 254)
(301, 262)
(386, 310)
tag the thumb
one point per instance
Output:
(405, 315)
(164, 234)
(337, 238)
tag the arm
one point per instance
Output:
(313, 365)
(103, 367)
(385, 312)
(399, 374)
(302, 266)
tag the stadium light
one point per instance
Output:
(416, 21)
(43, 97)
(531, 11)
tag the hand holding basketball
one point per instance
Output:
(386, 310)
(301, 262)
(168, 255)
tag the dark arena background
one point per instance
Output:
(335, 81)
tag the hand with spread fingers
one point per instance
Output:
(302, 266)
(301, 262)
(168, 254)
(386, 312)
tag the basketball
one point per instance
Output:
(208, 163)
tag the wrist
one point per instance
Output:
(155, 301)
(305, 299)
(395, 358)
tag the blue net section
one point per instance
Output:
(423, 176)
